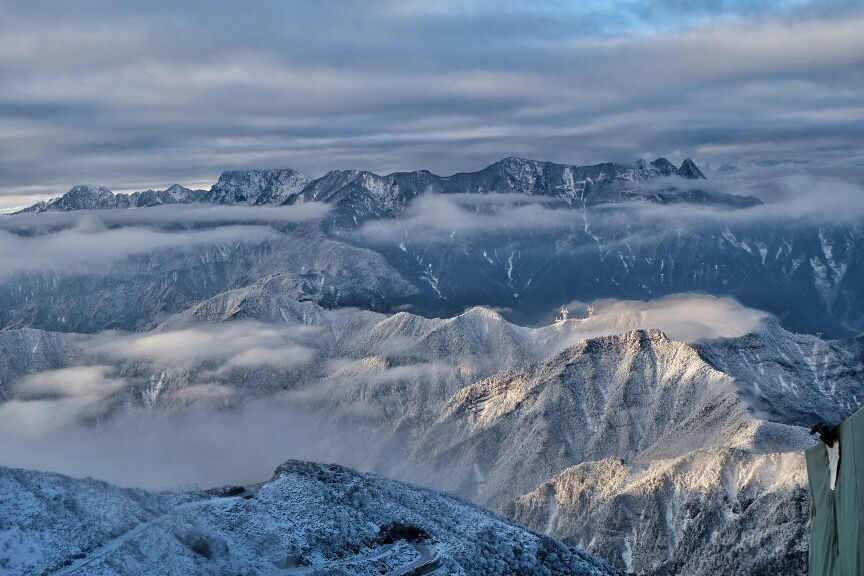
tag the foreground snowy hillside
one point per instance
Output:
(308, 519)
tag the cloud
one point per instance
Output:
(156, 449)
(444, 217)
(189, 214)
(794, 196)
(682, 317)
(799, 190)
(87, 96)
(74, 382)
(77, 249)
(284, 357)
(37, 417)
(81, 240)
(54, 399)
(486, 221)
(379, 390)
(241, 344)
(194, 365)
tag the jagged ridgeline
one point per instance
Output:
(523, 235)
(335, 318)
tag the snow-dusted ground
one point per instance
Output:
(47, 520)
(309, 519)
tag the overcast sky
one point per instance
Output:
(147, 94)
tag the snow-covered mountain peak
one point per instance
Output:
(256, 187)
(690, 171)
(87, 197)
(80, 197)
(664, 166)
(177, 190)
(669, 517)
(515, 164)
(481, 313)
(88, 192)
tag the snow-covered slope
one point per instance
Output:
(82, 197)
(637, 231)
(710, 512)
(308, 518)
(395, 356)
(133, 292)
(792, 377)
(256, 187)
(48, 520)
(637, 396)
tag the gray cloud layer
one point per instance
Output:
(146, 94)
(168, 214)
(231, 345)
(84, 239)
(155, 449)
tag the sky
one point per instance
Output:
(147, 94)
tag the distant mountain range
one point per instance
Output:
(548, 234)
(351, 188)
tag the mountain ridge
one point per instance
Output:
(308, 518)
(287, 186)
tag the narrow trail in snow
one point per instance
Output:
(425, 563)
(376, 554)
(114, 544)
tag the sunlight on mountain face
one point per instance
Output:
(495, 287)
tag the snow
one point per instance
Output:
(307, 519)
(500, 409)
(430, 277)
(730, 494)
(612, 396)
(730, 237)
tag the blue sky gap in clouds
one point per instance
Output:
(149, 94)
